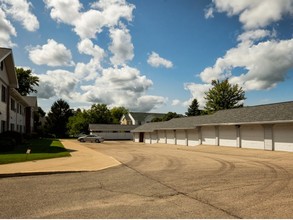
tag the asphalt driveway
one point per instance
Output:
(160, 181)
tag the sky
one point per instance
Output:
(151, 55)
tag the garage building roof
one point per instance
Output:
(261, 114)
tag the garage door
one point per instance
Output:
(227, 136)
(283, 137)
(162, 138)
(208, 135)
(192, 137)
(252, 136)
(180, 136)
(147, 138)
(154, 137)
(170, 137)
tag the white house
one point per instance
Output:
(16, 111)
(266, 127)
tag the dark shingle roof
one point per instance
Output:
(111, 127)
(271, 113)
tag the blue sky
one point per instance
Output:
(152, 55)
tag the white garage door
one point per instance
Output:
(252, 136)
(170, 137)
(180, 136)
(154, 138)
(283, 137)
(192, 137)
(227, 136)
(147, 138)
(136, 137)
(208, 135)
(162, 138)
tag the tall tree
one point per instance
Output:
(100, 114)
(193, 109)
(117, 113)
(58, 117)
(78, 123)
(26, 81)
(223, 95)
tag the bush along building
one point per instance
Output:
(266, 127)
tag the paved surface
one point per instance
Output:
(82, 159)
(160, 181)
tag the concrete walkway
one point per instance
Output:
(82, 159)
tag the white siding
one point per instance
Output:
(136, 137)
(192, 137)
(115, 135)
(154, 138)
(147, 138)
(252, 136)
(208, 135)
(181, 137)
(162, 138)
(283, 137)
(227, 136)
(170, 137)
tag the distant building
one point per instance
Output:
(139, 118)
(112, 131)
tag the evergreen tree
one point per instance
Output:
(193, 109)
(223, 95)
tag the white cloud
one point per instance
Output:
(51, 54)
(20, 10)
(155, 60)
(254, 35)
(103, 13)
(59, 83)
(66, 11)
(121, 46)
(254, 14)
(264, 64)
(123, 86)
(6, 31)
(197, 92)
(176, 102)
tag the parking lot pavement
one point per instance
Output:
(82, 159)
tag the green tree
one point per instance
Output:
(100, 114)
(193, 109)
(117, 113)
(78, 123)
(223, 95)
(58, 117)
(171, 115)
(26, 81)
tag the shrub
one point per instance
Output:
(13, 135)
(7, 144)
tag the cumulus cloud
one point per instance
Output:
(123, 86)
(6, 31)
(60, 83)
(197, 92)
(253, 14)
(20, 10)
(51, 54)
(103, 13)
(121, 46)
(155, 60)
(264, 64)
(176, 102)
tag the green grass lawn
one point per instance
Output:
(40, 149)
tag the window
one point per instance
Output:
(12, 105)
(3, 94)
(3, 126)
(2, 66)
(12, 127)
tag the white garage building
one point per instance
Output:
(266, 127)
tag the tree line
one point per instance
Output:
(62, 121)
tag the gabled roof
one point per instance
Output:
(7, 57)
(261, 114)
(31, 100)
(111, 127)
(141, 116)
